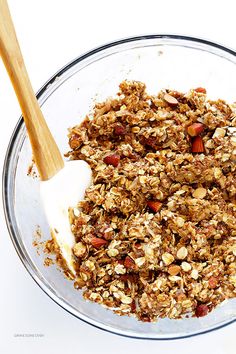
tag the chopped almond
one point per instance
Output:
(172, 101)
(113, 160)
(119, 130)
(133, 306)
(98, 242)
(195, 129)
(213, 282)
(200, 90)
(129, 277)
(154, 205)
(121, 261)
(129, 263)
(74, 141)
(197, 145)
(201, 310)
(152, 142)
(137, 245)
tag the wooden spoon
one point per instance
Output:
(63, 184)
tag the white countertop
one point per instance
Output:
(51, 33)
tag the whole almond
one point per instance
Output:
(197, 145)
(98, 242)
(195, 129)
(119, 130)
(129, 263)
(172, 101)
(200, 90)
(154, 205)
(201, 310)
(113, 160)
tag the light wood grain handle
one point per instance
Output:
(46, 154)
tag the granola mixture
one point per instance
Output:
(156, 232)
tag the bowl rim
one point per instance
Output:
(7, 161)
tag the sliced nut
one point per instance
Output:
(200, 193)
(167, 258)
(116, 295)
(120, 284)
(182, 253)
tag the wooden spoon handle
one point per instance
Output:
(46, 154)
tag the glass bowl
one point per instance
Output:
(161, 61)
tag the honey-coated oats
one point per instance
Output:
(156, 231)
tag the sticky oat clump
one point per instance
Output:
(156, 231)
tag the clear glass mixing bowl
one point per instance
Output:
(161, 61)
